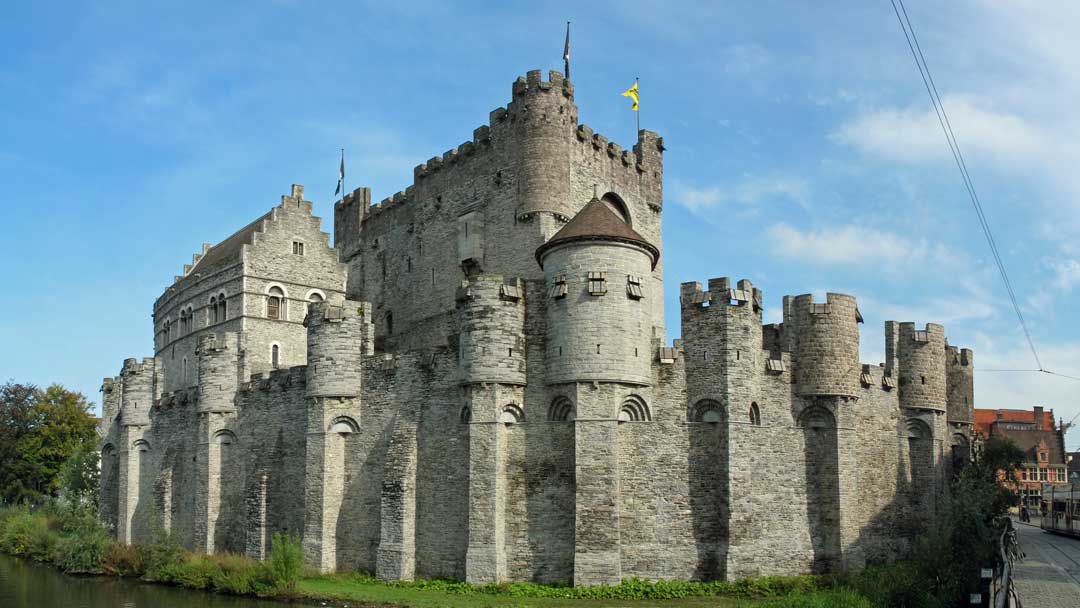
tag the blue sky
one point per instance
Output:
(802, 151)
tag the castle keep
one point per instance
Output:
(474, 382)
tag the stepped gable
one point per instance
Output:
(229, 250)
(597, 222)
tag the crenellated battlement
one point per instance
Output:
(720, 292)
(532, 83)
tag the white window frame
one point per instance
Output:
(284, 316)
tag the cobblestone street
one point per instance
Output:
(1049, 577)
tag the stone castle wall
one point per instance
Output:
(448, 410)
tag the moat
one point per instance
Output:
(24, 584)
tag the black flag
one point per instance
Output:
(566, 51)
(341, 174)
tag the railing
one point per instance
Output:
(1008, 552)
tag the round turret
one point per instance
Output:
(334, 348)
(598, 318)
(544, 117)
(826, 345)
(921, 359)
(138, 392)
(218, 372)
(491, 312)
(960, 384)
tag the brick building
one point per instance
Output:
(1041, 440)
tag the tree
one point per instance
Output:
(80, 475)
(39, 431)
(16, 422)
(61, 423)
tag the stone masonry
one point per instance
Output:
(474, 382)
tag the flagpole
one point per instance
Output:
(343, 174)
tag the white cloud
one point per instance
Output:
(913, 134)
(747, 194)
(850, 245)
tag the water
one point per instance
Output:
(24, 584)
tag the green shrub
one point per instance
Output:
(28, 535)
(123, 560)
(81, 553)
(286, 561)
(160, 556)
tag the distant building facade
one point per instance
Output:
(1043, 443)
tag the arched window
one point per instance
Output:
(615, 203)
(755, 414)
(275, 356)
(706, 410)
(389, 323)
(184, 371)
(466, 415)
(212, 313)
(183, 322)
(511, 414)
(224, 437)
(561, 410)
(313, 297)
(634, 409)
(817, 418)
(223, 308)
(275, 303)
(344, 425)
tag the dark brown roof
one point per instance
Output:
(596, 221)
(228, 251)
(1028, 441)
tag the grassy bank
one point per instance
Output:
(73, 540)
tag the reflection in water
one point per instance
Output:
(24, 584)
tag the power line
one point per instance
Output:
(954, 148)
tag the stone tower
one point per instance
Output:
(491, 317)
(337, 337)
(599, 348)
(824, 342)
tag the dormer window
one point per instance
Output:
(1042, 457)
(298, 248)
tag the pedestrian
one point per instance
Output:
(1024, 517)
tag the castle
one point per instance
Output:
(474, 382)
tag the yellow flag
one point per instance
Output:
(632, 93)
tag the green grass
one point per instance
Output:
(362, 590)
(631, 592)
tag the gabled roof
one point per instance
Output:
(597, 222)
(228, 251)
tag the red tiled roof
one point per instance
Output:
(985, 418)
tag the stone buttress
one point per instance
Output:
(491, 317)
(824, 342)
(136, 467)
(336, 339)
(722, 341)
(219, 377)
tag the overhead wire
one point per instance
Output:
(958, 158)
